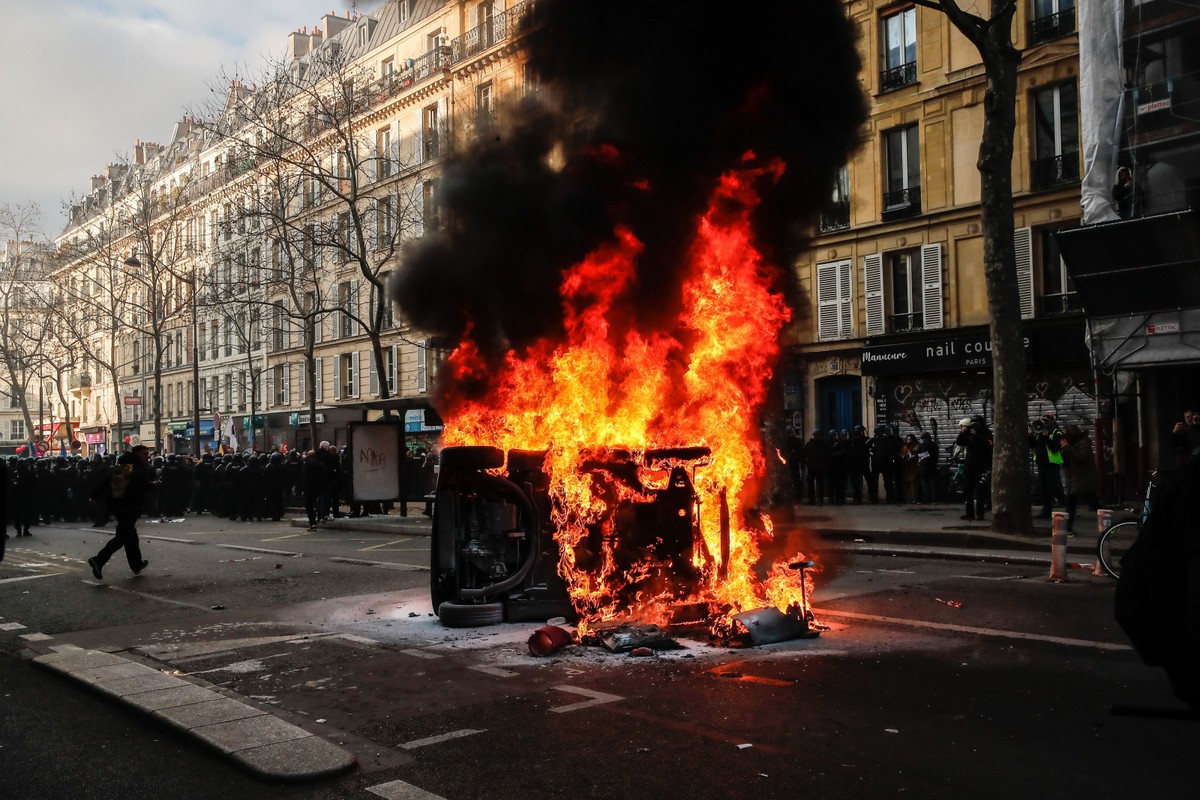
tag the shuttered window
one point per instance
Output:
(1023, 247)
(873, 294)
(835, 306)
(931, 286)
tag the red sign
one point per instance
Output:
(132, 401)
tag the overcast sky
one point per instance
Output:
(80, 80)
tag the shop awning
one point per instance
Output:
(1135, 266)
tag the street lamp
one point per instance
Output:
(133, 261)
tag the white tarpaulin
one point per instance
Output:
(1101, 95)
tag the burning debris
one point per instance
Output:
(615, 280)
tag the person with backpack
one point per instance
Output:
(132, 480)
(977, 461)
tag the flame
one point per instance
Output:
(610, 393)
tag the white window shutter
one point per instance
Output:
(845, 301)
(419, 139)
(392, 369)
(270, 388)
(827, 302)
(354, 382)
(418, 204)
(319, 379)
(423, 365)
(873, 293)
(337, 377)
(393, 153)
(285, 396)
(931, 286)
(354, 307)
(1023, 246)
(443, 120)
(303, 381)
(373, 381)
(373, 163)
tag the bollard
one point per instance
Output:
(1058, 546)
(1103, 523)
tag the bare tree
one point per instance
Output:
(25, 306)
(337, 195)
(991, 34)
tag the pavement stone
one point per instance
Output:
(259, 742)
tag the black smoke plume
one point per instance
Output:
(641, 106)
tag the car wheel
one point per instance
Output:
(470, 615)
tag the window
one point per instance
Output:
(484, 108)
(389, 366)
(279, 384)
(1058, 290)
(903, 290)
(348, 303)
(214, 340)
(202, 344)
(1051, 20)
(835, 306)
(14, 401)
(387, 68)
(277, 330)
(423, 366)
(430, 210)
(383, 152)
(403, 7)
(201, 232)
(228, 341)
(899, 51)
(346, 371)
(1056, 136)
(384, 223)
(429, 127)
(902, 192)
(16, 429)
(837, 216)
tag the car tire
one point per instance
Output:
(470, 615)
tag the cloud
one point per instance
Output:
(84, 78)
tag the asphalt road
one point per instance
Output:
(935, 679)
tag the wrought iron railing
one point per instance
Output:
(898, 77)
(1052, 26)
(432, 62)
(902, 323)
(1055, 171)
(836, 217)
(1063, 303)
(902, 201)
(488, 34)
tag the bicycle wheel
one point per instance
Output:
(1113, 545)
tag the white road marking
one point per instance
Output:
(381, 564)
(445, 737)
(262, 550)
(169, 539)
(36, 637)
(421, 653)
(499, 673)
(167, 600)
(399, 790)
(993, 577)
(31, 577)
(598, 698)
(349, 637)
(1000, 634)
(11, 626)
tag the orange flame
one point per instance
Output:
(612, 387)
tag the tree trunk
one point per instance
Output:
(1010, 479)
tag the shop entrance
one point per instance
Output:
(839, 403)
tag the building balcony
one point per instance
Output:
(898, 77)
(436, 60)
(1064, 303)
(1047, 173)
(491, 33)
(902, 203)
(836, 217)
(1051, 26)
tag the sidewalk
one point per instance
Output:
(935, 531)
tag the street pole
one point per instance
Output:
(195, 371)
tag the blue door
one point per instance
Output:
(839, 403)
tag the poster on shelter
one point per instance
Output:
(373, 458)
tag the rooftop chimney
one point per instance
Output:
(299, 44)
(333, 25)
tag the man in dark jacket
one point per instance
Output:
(977, 441)
(816, 466)
(132, 480)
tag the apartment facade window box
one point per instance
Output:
(1052, 19)
(902, 203)
(1050, 173)
(835, 218)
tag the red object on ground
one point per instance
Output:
(548, 640)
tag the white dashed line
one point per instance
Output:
(499, 673)
(420, 653)
(262, 550)
(598, 698)
(362, 562)
(11, 626)
(35, 637)
(349, 637)
(30, 577)
(445, 737)
(169, 539)
(399, 790)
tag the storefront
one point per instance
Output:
(928, 383)
(180, 434)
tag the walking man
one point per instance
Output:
(132, 480)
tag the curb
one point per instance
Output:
(948, 553)
(264, 745)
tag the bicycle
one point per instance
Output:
(1117, 540)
